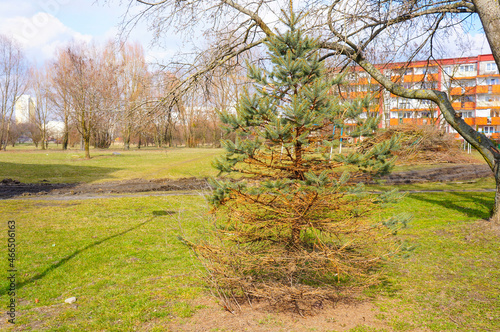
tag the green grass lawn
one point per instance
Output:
(70, 166)
(451, 281)
(122, 259)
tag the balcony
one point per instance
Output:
(458, 91)
(488, 103)
(464, 74)
(394, 122)
(469, 121)
(417, 121)
(413, 78)
(360, 94)
(481, 121)
(482, 89)
(432, 77)
(469, 105)
(396, 78)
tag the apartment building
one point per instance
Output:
(472, 84)
(24, 109)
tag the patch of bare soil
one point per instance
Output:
(440, 174)
(340, 316)
(10, 188)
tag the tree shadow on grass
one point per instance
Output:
(50, 177)
(69, 257)
(482, 204)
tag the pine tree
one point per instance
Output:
(297, 220)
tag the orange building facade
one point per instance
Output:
(472, 84)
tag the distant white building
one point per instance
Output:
(24, 109)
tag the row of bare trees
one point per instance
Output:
(104, 92)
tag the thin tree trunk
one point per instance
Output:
(87, 146)
(65, 140)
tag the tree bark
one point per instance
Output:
(87, 147)
(65, 140)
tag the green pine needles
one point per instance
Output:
(296, 227)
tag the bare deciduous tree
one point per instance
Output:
(59, 93)
(133, 83)
(13, 84)
(89, 81)
(40, 86)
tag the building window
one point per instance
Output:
(493, 81)
(432, 70)
(489, 129)
(467, 114)
(430, 85)
(467, 99)
(404, 104)
(491, 66)
(488, 98)
(466, 68)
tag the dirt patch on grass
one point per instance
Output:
(440, 174)
(10, 188)
(340, 316)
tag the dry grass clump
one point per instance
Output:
(299, 281)
(427, 144)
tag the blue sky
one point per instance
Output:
(42, 26)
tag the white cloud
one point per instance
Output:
(41, 34)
